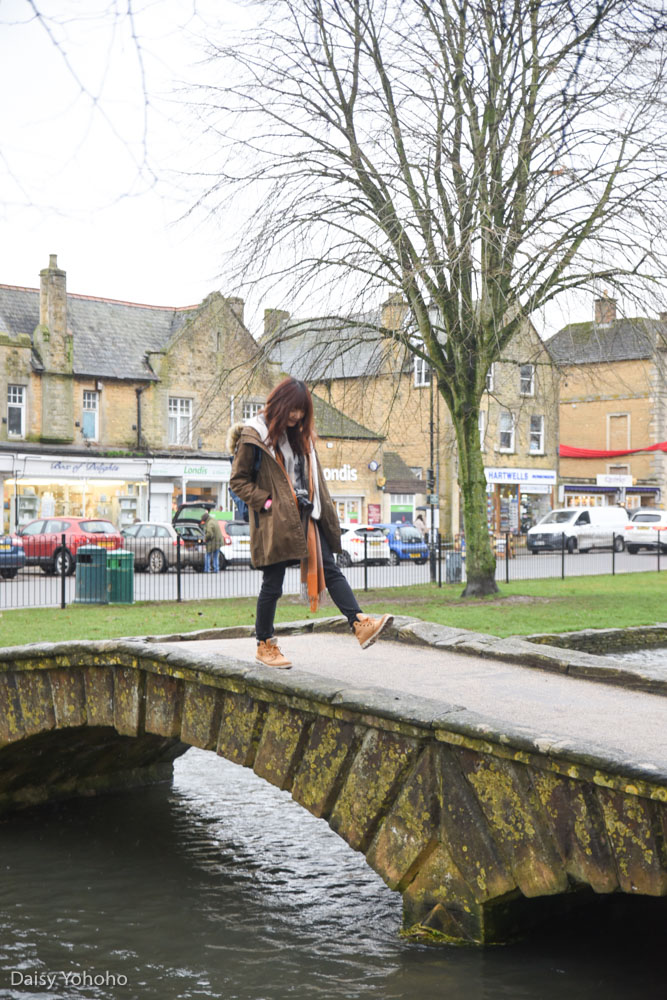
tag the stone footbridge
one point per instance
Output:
(487, 792)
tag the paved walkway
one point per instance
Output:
(576, 712)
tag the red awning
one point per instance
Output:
(566, 451)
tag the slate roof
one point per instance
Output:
(329, 348)
(332, 423)
(588, 343)
(398, 475)
(111, 338)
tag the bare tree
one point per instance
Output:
(480, 157)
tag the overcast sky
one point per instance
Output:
(87, 171)
(93, 174)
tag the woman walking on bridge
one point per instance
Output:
(277, 473)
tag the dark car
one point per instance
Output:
(406, 543)
(43, 546)
(12, 556)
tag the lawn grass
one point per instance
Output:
(520, 608)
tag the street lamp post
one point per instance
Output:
(430, 483)
(433, 499)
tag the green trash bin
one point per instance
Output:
(91, 575)
(120, 576)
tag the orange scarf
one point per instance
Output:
(312, 568)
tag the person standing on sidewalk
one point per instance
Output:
(293, 520)
(213, 538)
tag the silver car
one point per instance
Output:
(155, 546)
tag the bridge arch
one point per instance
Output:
(475, 828)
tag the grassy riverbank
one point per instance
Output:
(519, 609)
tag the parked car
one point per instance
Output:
(646, 528)
(42, 540)
(155, 545)
(12, 556)
(584, 528)
(357, 539)
(192, 511)
(406, 543)
(235, 549)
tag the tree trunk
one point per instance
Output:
(480, 560)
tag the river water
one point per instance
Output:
(220, 886)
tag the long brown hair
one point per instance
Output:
(290, 394)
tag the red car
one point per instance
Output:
(42, 540)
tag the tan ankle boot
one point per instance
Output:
(367, 629)
(269, 654)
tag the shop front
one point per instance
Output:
(610, 490)
(518, 498)
(174, 482)
(35, 486)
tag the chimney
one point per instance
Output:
(605, 310)
(237, 306)
(273, 319)
(53, 298)
(393, 311)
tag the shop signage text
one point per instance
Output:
(543, 476)
(344, 474)
(84, 468)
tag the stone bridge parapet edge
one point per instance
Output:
(472, 821)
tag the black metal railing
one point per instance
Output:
(55, 572)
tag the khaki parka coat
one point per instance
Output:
(276, 535)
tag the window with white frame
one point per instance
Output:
(90, 422)
(506, 431)
(16, 411)
(490, 378)
(527, 380)
(481, 423)
(417, 471)
(422, 372)
(536, 443)
(180, 420)
(250, 410)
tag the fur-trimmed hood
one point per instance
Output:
(233, 435)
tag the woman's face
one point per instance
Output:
(295, 417)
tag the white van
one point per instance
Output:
(584, 528)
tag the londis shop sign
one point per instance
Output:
(343, 474)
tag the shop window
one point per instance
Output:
(481, 423)
(250, 410)
(490, 378)
(90, 424)
(536, 446)
(527, 380)
(180, 421)
(16, 411)
(422, 372)
(506, 431)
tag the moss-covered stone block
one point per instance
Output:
(408, 833)
(241, 724)
(128, 701)
(371, 786)
(99, 687)
(11, 717)
(34, 693)
(465, 830)
(579, 830)
(281, 746)
(69, 697)
(516, 822)
(319, 779)
(164, 705)
(636, 837)
(202, 712)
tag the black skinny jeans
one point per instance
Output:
(272, 588)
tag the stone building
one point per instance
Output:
(117, 409)
(613, 416)
(389, 390)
